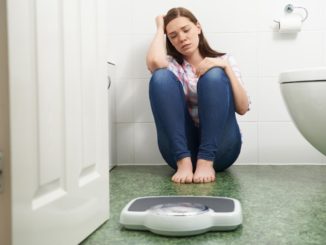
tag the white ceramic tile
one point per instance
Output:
(243, 46)
(282, 143)
(145, 12)
(120, 16)
(125, 91)
(261, 56)
(142, 108)
(271, 104)
(215, 16)
(225, 15)
(277, 52)
(324, 48)
(251, 86)
(140, 45)
(125, 142)
(120, 50)
(274, 10)
(145, 144)
(323, 21)
(249, 150)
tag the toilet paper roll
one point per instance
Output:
(290, 24)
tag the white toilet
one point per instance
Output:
(304, 92)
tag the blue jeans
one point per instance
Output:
(217, 138)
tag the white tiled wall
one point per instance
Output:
(243, 28)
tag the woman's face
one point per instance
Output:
(184, 35)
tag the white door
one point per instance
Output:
(59, 119)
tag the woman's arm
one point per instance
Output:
(156, 55)
(241, 101)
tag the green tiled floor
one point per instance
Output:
(281, 204)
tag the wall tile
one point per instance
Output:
(323, 20)
(249, 151)
(145, 12)
(277, 52)
(120, 50)
(235, 27)
(282, 143)
(243, 46)
(251, 85)
(125, 100)
(226, 16)
(219, 17)
(125, 143)
(274, 10)
(145, 144)
(142, 108)
(271, 104)
(140, 45)
(120, 16)
(324, 48)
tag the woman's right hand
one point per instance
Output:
(156, 55)
(160, 22)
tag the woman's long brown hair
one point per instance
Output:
(204, 49)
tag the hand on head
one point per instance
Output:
(160, 21)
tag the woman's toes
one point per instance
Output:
(205, 172)
(189, 179)
(184, 172)
(198, 180)
(175, 178)
(208, 179)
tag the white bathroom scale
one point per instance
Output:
(182, 215)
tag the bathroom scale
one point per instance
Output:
(182, 215)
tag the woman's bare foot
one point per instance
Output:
(205, 172)
(184, 172)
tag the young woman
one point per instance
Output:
(194, 93)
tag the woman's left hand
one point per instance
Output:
(208, 62)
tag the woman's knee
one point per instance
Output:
(214, 74)
(161, 75)
(163, 81)
(214, 79)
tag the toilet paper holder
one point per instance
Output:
(289, 8)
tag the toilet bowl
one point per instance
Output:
(304, 93)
